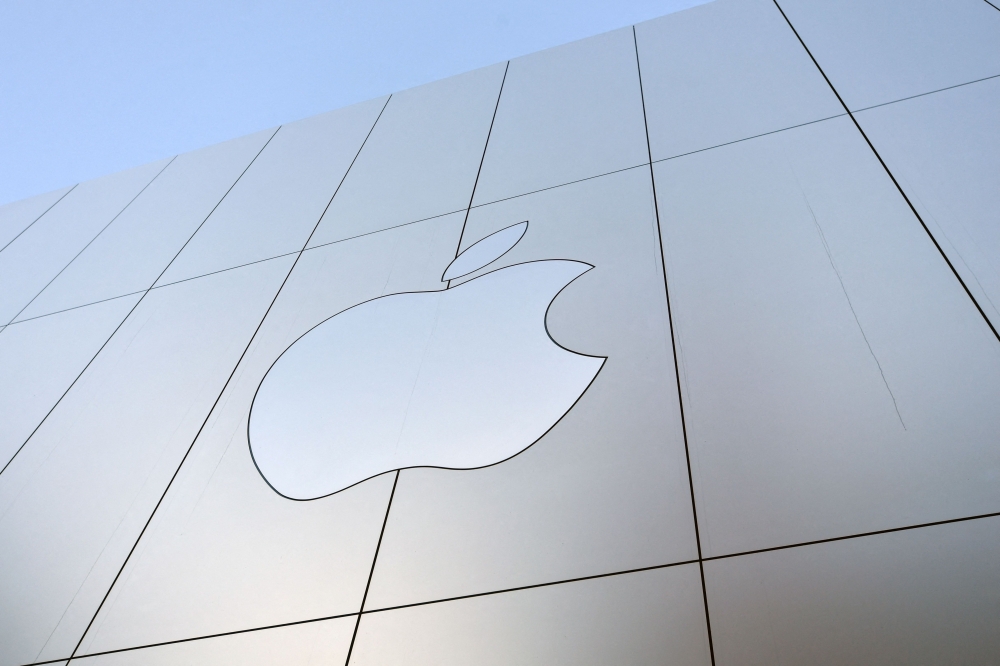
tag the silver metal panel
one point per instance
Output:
(606, 489)
(944, 149)
(421, 159)
(878, 51)
(924, 596)
(17, 216)
(138, 246)
(453, 427)
(725, 71)
(39, 359)
(44, 249)
(837, 379)
(225, 552)
(652, 617)
(567, 113)
(309, 644)
(75, 500)
(281, 197)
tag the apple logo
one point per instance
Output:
(458, 378)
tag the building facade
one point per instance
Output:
(677, 344)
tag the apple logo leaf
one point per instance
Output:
(457, 378)
(485, 251)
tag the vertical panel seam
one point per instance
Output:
(673, 345)
(482, 159)
(371, 572)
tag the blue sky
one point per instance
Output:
(90, 88)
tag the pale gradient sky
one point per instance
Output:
(92, 88)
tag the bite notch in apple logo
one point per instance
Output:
(458, 378)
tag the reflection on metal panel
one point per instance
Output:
(74, 501)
